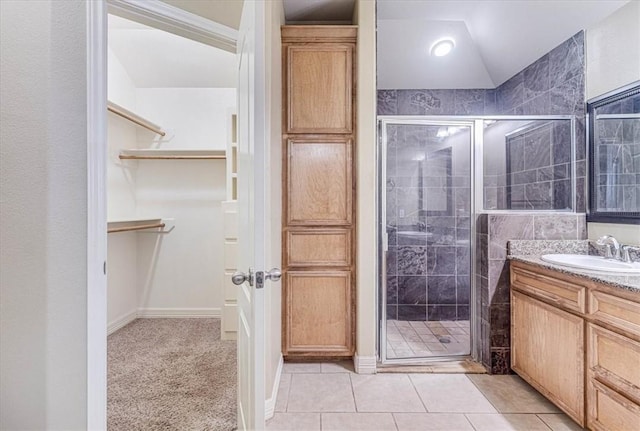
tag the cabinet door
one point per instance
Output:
(319, 88)
(312, 247)
(547, 350)
(319, 182)
(608, 410)
(318, 313)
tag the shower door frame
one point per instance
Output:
(383, 121)
(477, 206)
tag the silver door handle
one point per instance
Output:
(240, 277)
(274, 275)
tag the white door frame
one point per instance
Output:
(165, 17)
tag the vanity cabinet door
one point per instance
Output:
(547, 350)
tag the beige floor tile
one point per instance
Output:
(294, 422)
(385, 393)
(293, 367)
(429, 338)
(418, 324)
(358, 421)
(559, 422)
(508, 422)
(450, 393)
(511, 394)
(283, 393)
(440, 331)
(432, 422)
(321, 393)
(423, 330)
(403, 353)
(434, 324)
(456, 331)
(337, 367)
(399, 345)
(394, 337)
(448, 323)
(403, 324)
(436, 347)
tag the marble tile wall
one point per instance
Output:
(492, 276)
(552, 85)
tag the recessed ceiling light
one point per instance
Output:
(442, 47)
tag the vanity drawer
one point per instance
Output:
(558, 292)
(619, 313)
(607, 410)
(614, 360)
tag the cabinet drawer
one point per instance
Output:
(614, 359)
(608, 410)
(318, 247)
(318, 313)
(558, 292)
(618, 312)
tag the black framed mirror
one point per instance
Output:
(614, 156)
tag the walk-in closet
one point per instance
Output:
(170, 187)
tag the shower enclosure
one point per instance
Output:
(427, 236)
(435, 176)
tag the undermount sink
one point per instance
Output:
(592, 263)
(413, 233)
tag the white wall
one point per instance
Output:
(43, 212)
(177, 273)
(612, 61)
(122, 248)
(194, 118)
(365, 18)
(180, 272)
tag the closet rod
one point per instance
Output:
(139, 227)
(168, 157)
(126, 114)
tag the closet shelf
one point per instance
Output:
(154, 154)
(134, 118)
(116, 226)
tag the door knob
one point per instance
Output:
(274, 275)
(240, 277)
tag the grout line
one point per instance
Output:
(469, 420)
(286, 408)
(418, 393)
(353, 393)
(482, 393)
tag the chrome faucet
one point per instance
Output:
(422, 226)
(612, 250)
(625, 252)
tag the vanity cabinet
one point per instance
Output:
(318, 191)
(547, 341)
(577, 341)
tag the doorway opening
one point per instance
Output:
(171, 149)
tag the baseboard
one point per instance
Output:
(178, 312)
(270, 403)
(364, 364)
(121, 322)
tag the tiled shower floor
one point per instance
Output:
(427, 339)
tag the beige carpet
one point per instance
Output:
(171, 374)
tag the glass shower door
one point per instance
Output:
(425, 222)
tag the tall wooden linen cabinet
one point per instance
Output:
(318, 191)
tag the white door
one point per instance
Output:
(251, 208)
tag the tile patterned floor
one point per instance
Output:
(321, 397)
(427, 339)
